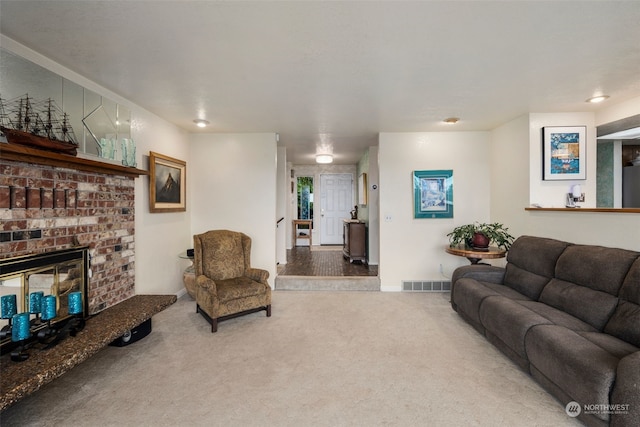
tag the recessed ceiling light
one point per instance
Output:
(597, 99)
(451, 120)
(201, 123)
(324, 158)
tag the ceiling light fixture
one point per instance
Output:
(201, 123)
(451, 120)
(324, 158)
(596, 99)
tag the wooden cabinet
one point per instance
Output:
(354, 240)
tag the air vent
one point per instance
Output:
(426, 286)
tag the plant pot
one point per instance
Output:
(480, 241)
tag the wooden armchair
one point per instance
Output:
(226, 285)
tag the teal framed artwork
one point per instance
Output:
(433, 194)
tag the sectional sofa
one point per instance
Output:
(567, 314)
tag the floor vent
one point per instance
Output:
(426, 286)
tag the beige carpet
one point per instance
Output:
(322, 359)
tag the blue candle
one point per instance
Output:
(35, 302)
(8, 306)
(75, 303)
(48, 307)
(21, 327)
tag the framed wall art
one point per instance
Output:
(433, 194)
(167, 184)
(564, 153)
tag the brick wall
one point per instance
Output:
(44, 208)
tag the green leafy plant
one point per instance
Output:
(495, 232)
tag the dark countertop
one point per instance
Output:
(19, 379)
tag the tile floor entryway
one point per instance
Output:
(323, 261)
(324, 268)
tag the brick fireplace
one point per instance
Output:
(51, 201)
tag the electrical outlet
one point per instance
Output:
(387, 218)
(579, 199)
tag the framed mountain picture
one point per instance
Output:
(167, 184)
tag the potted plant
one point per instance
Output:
(480, 235)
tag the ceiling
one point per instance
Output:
(334, 74)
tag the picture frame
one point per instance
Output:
(564, 153)
(167, 184)
(362, 189)
(433, 194)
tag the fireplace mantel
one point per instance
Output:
(31, 155)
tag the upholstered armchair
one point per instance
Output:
(226, 285)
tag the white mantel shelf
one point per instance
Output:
(32, 155)
(594, 210)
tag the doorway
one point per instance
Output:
(336, 197)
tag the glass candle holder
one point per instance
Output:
(48, 307)
(35, 302)
(75, 303)
(21, 327)
(8, 306)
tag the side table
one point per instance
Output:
(189, 276)
(474, 256)
(296, 223)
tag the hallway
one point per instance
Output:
(322, 261)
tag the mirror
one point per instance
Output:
(97, 121)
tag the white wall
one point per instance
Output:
(510, 174)
(413, 249)
(519, 137)
(619, 111)
(233, 180)
(373, 179)
(282, 190)
(160, 237)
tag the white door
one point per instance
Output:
(336, 197)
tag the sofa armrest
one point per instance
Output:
(626, 391)
(483, 273)
(257, 274)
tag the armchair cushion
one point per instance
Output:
(224, 256)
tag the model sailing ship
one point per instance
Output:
(41, 125)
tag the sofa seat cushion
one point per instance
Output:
(558, 317)
(584, 370)
(241, 287)
(613, 345)
(509, 321)
(469, 293)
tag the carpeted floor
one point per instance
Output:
(322, 359)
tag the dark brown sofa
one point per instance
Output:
(569, 315)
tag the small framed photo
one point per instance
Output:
(167, 184)
(564, 153)
(433, 194)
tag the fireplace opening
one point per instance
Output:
(26, 281)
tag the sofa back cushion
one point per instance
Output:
(531, 264)
(596, 267)
(587, 281)
(625, 321)
(588, 305)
